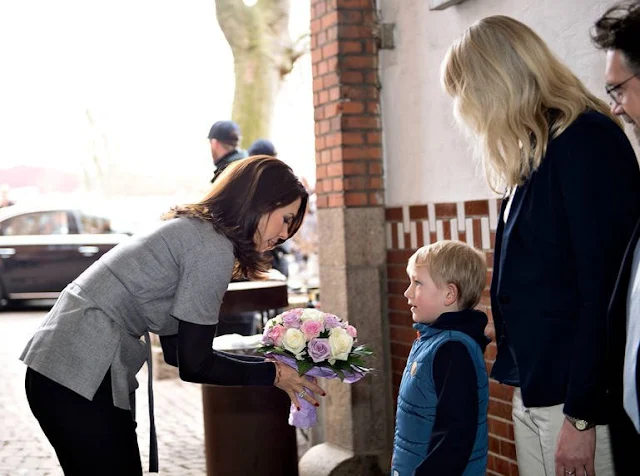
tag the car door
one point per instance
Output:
(41, 252)
(92, 237)
(34, 254)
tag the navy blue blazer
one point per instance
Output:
(555, 265)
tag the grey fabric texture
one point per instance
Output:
(180, 270)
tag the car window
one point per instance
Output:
(39, 223)
(94, 224)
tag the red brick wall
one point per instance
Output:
(346, 103)
(410, 227)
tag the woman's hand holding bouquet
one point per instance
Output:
(316, 344)
(289, 381)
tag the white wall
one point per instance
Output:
(427, 159)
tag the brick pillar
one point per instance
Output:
(358, 418)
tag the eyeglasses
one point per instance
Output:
(614, 91)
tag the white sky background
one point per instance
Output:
(155, 74)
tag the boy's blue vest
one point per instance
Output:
(417, 403)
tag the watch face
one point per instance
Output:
(581, 424)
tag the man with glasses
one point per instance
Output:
(618, 32)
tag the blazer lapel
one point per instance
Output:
(497, 251)
(516, 205)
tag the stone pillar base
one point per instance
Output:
(329, 460)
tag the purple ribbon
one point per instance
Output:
(307, 416)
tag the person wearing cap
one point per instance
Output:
(262, 147)
(224, 137)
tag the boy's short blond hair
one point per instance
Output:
(454, 262)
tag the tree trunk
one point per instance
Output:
(263, 53)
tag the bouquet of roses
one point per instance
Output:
(318, 344)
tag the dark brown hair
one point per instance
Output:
(619, 29)
(246, 190)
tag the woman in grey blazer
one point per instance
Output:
(83, 360)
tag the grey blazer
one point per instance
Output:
(180, 271)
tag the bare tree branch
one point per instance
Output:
(232, 17)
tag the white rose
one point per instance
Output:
(274, 321)
(341, 343)
(310, 314)
(294, 341)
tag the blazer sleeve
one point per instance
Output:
(199, 363)
(600, 185)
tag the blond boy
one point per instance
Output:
(441, 418)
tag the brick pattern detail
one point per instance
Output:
(346, 103)
(410, 227)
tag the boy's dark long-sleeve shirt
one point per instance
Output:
(454, 428)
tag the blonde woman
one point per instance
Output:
(572, 181)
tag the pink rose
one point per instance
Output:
(352, 331)
(311, 329)
(275, 334)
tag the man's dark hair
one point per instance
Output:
(619, 29)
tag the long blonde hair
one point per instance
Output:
(513, 94)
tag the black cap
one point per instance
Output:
(262, 147)
(225, 131)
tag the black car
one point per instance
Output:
(44, 249)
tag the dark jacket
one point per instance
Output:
(625, 441)
(441, 418)
(556, 262)
(225, 160)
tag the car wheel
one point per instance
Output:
(4, 300)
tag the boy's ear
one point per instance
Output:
(451, 297)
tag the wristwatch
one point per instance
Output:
(579, 424)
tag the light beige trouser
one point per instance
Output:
(536, 430)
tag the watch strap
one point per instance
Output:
(579, 424)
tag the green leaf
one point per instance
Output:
(339, 373)
(342, 365)
(356, 361)
(303, 366)
(362, 350)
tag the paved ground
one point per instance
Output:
(25, 451)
